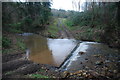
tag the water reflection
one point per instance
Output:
(49, 51)
(60, 48)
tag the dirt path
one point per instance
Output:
(63, 31)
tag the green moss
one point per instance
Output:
(6, 42)
(42, 70)
(38, 76)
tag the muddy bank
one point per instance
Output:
(9, 57)
(22, 66)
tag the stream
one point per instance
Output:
(72, 55)
(48, 51)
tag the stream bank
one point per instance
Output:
(90, 60)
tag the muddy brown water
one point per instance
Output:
(48, 51)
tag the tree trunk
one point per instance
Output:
(93, 15)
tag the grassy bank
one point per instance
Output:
(96, 33)
(12, 43)
(85, 33)
(52, 30)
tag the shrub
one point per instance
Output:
(39, 76)
(6, 42)
(21, 44)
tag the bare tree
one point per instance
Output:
(79, 5)
(76, 5)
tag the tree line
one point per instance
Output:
(102, 15)
(25, 16)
